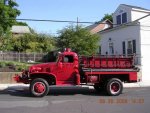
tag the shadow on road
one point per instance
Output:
(54, 91)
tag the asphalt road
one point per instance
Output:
(75, 100)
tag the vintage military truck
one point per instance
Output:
(103, 72)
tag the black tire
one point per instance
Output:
(36, 91)
(99, 87)
(114, 87)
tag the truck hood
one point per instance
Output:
(44, 67)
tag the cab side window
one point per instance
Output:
(68, 59)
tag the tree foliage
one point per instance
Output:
(107, 16)
(33, 43)
(78, 39)
(8, 13)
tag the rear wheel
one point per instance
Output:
(39, 87)
(114, 87)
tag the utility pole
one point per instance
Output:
(77, 23)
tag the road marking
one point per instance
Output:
(31, 104)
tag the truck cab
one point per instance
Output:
(61, 72)
(66, 68)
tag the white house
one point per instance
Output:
(130, 34)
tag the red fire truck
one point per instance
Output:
(102, 72)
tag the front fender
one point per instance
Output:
(42, 75)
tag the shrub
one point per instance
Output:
(2, 64)
(10, 64)
(21, 67)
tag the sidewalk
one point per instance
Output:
(26, 86)
(13, 86)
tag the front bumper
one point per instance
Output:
(21, 79)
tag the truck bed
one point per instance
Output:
(114, 63)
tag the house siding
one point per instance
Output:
(137, 14)
(119, 36)
(145, 47)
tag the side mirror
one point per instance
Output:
(60, 64)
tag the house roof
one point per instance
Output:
(90, 27)
(20, 29)
(136, 7)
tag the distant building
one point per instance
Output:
(130, 34)
(19, 30)
(97, 27)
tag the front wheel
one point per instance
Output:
(39, 87)
(114, 87)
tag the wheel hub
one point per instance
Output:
(115, 87)
(39, 87)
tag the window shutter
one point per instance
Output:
(124, 18)
(134, 46)
(99, 49)
(123, 47)
(118, 19)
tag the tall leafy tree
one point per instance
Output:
(107, 16)
(33, 43)
(78, 39)
(8, 13)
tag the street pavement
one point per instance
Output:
(75, 100)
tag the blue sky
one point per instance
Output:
(85, 10)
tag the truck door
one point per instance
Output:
(66, 73)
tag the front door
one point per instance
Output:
(66, 71)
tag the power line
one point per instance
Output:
(77, 22)
(61, 21)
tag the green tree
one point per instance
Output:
(33, 43)
(21, 23)
(107, 16)
(8, 13)
(78, 39)
(5, 40)
(1, 31)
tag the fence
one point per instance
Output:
(22, 57)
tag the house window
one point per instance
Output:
(124, 17)
(131, 47)
(134, 46)
(99, 50)
(123, 48)
(118, 19)
(111, 48)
